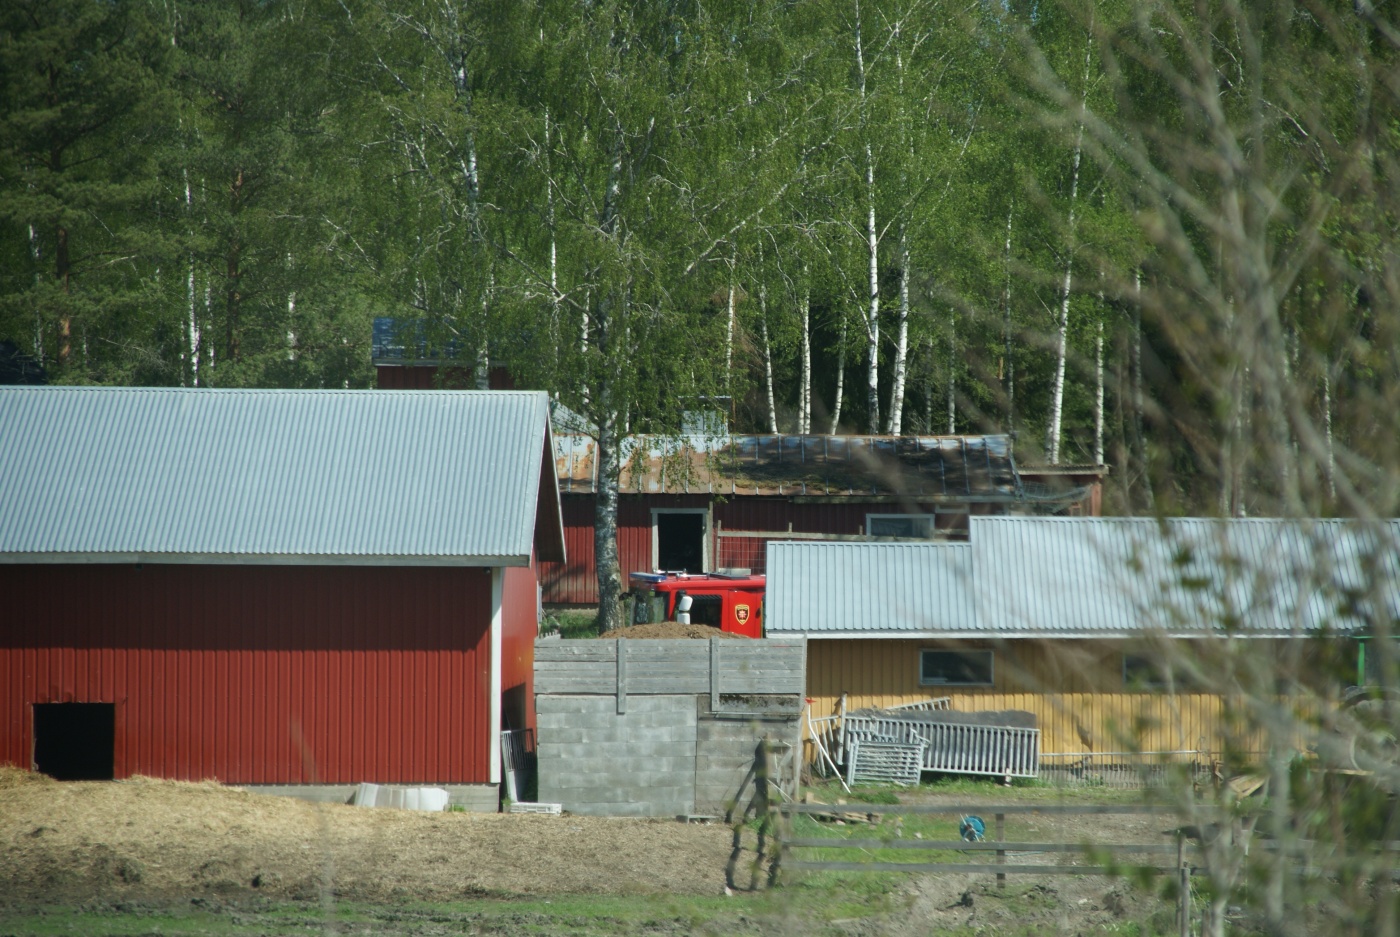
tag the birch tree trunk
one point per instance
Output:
(930, 365)
(872, 238)
(1139, 438)
(1052, 448)
(767, 359)
(1008, 355)
(233, 273)
(952, 380)
(191, 296)
(901, 346)
(729, 325)
(840, 379)
(471, 178)
(35, 257)
(1327, 434)
(553, 235)
(1098, 395)
(872, 316)
(605, 513)
(606, 417)
(804, 401)
(1057, 395)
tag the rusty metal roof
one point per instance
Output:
(964, 468)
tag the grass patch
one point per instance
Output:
(571, 623)
(977, 789)
(805, 910)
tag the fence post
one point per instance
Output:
(1183, 882)
(841, 737)
(1001, 853)
(762, 778)
(621, 676)
(714, 675)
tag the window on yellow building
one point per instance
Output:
(1147, 673)
(955, 668)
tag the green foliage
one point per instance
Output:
(227, 194)
(570, 623)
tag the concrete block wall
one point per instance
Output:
(724, 752)
(659, 728)
(666, 756)
(597, 761)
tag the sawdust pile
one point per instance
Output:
(147, 839)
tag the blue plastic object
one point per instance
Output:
(973, 829)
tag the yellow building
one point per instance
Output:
(1121, 636)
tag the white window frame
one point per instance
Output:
(968, 651)
(931, 518)
(705, 559)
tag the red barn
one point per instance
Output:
(712, 500)
(699, 503)
(303, 589)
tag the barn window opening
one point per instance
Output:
(955, 668)
(680, 541)
(908, 526)
(75, 741)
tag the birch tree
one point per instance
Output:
(1253, 140)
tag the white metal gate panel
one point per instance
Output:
(955, 748)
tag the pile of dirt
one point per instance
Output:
(146, 839)
(671, 629)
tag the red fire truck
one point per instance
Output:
(730, 600)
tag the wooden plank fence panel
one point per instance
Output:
(985, 809)
(574, 650)
(715, 667)
(951, 867)
(965, 846)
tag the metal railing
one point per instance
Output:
(956, 748)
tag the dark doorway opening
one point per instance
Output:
(75, 741)
(680, 542)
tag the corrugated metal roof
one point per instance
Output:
(827, 589)
(968, 468)
(1091, 577)
(1110, 576)
(270, 475)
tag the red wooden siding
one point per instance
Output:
(426, 377)
(258, 675)
(519, 626)
(576, 582)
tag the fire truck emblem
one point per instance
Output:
(741, 612)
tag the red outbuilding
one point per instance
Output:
(710, 499)
(296, 589)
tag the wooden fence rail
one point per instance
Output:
(786, 843)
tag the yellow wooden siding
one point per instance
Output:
(1074, 687)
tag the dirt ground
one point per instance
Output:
(144, 838)
(131, 851)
